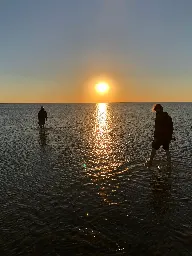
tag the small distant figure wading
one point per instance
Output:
(42, 116)
(163, 133)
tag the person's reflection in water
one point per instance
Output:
(43, 138)
(161, 191)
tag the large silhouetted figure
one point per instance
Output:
(42, 116)
(163, 133)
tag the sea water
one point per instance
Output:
(80, 187)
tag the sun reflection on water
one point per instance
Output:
(102, 138)
(104, 163)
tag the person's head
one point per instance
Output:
(42, 108)
(157, 108)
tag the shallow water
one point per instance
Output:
(81, 187)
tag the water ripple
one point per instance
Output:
(81, 187)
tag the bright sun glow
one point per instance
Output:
(102, 87)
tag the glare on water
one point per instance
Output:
(81, 186)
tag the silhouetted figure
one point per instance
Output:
(163, 133)
(42, 116)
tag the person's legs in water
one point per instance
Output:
(41, 124)
(153, 153)
(155, 146)
(168, 158)
(166, 148)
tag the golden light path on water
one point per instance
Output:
(105, 164)
(102, 139)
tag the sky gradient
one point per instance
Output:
(56, 50)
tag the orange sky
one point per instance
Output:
(122, 89)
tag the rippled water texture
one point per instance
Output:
(81, 187)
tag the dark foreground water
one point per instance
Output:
(81, 188)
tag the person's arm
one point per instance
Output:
(156, 128)
(171, 128)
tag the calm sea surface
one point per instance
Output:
(81, 187)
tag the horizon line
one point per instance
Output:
(95, 102)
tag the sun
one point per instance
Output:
(102, 87)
